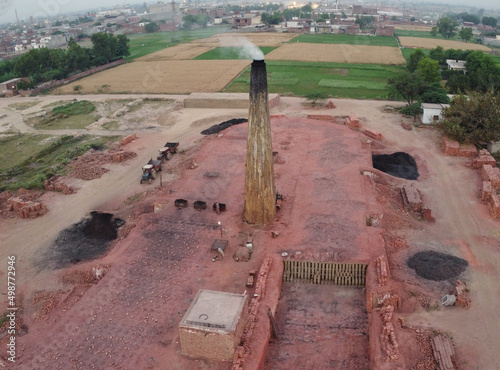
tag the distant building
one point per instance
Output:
(456, 65)
(432, 113)
(162, 7)
(384, 31)
(10, 87)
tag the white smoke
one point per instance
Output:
(247, 49)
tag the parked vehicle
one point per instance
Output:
(167, 151)
(148, 173)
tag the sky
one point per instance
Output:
(27, 8)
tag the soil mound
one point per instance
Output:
(398, 164)
(437, 266)
(84, 240)
(215, 129)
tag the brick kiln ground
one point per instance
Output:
(130, 318)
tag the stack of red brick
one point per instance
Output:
(321, 117)
(390, 345)
(444, 352)
(491, 183)
(373, 134)
(353, 122)
(26, 209)
(55, 184)
(461, 294)
(128, 139)
(382, 270)
(455, 149)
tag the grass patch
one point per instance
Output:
(347, 39)
(147, 43)
(341, 80)
(56, 103)
(113, 125)
(24, 105)
(41, 159)
(229, 53)
(75, 115)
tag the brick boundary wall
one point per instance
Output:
(77, 76)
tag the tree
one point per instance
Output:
(122, 46)
(414, 59)
(412, 110)
(104, 47)
(412, 19)
(489, 21)
(466, 17)
(151, 27)
(434, 31)
(428, 69)
(435, 93)
(473, 118)
(447, 27)
(465, 33)
(316, 96)
(438, 54)
(407, 85)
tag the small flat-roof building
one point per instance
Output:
(456, 65)
(432, 112)
(213, 325)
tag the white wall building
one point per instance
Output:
(432, 112)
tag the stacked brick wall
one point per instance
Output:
(55, 184)
(455, 149)
(461, 294)
(382, 270)
(389, 343)
(373, 134)
(26, 209)
(444, 352)
(321, 117)
(484, 158)
(491, 174)
(128, 139)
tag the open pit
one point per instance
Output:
(398, 164)
(83, 241)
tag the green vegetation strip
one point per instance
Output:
(39, 157)
(356, 81)
(229, 53)
(347, 39)
(147, 43)
(74, 115)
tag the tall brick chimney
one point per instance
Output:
(260, 193)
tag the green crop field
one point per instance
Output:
(407, 52)
(147, 43)
(426, 34)
(357, 81)
(347, 39)
(229, 53)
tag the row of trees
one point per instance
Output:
(48, 64)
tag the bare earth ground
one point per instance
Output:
(337, 53)
(412, 27)
(129, 319)
(164, 77)
(421, 42)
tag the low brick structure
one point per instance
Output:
(486, 192)
(491, 174)
(128, 139)
(56, 184)
(382, 270)
(411, 198)
(373, 134)
(212, 327)
(390, 345)
(494, 206)
(26, 209)
(353, 122)
(321, 117)
(484, 158)
(454, 148)
(461, 294)
(444, 353)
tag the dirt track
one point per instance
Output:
(463, 228)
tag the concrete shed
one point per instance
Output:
(432, 112)
(213, 325)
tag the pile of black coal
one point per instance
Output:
(83, 241)
(437, 266)
(215, 129)
(398, 164)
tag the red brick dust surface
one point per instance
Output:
(129, 319)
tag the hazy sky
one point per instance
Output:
(27, 8)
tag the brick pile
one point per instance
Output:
(444, 352)
(491, 174)
(461, 294)
(382, 270)
(88, 165)
(373, 134)
(455, 149)
(486, 192)
(353, 122)
(331, 105)
(243, 351)
(389, 343)
(26, 209)
(128, 139)
(321, 117)
(406, 126)
(484, 158)
(56, 184)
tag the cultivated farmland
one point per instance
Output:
(425, 43)
(338, 53)
(169, 77)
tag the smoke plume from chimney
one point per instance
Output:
(247, 50)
